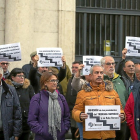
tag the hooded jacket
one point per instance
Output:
(25, 93)
(38, 116)
(119, 87)
(96, 95)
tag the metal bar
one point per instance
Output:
(106, 4)
(136, 5)
(130, 25)
(136, 25)
(100, 33)
(101, 4)
(85, 3)
(90, 34)
(85, 33)
(125, 26)
(79, 33)
(126, 3)
(121, 4)
(95, 36)
(111, 4)
(80, 3)
(90, 3)
(115, 34)
(105, 36)
(95, 4)
(110, 32)
(116, 4)
(131, 4)
(107, 11)
(120, 42)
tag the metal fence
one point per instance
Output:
(102, 23)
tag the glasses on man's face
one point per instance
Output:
(130, 66)
(74, 67)
(20, 76)
(53, 81)
(4, 63)
(109, 64)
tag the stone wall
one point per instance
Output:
(38, 23)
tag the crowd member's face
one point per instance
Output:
(42, 69)
(109, 66)
(75, 68)
(129, 67)
(97, 76)
(19, 78)
(51, 84)
(4, 65)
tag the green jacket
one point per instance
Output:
(119, 88)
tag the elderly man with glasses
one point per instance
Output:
(108, 64)
(4, 65)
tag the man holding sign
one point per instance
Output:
(96, 93)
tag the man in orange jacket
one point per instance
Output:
(97, 93)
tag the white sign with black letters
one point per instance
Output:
(133, 46)
(88, 62)
(102, 118)
(50, 57)
(10, 52)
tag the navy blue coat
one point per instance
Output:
(10, 112)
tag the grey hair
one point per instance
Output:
(104, 58)
(91, 69)
(1, 71)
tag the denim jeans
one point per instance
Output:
(80, 126)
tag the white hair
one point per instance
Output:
(91, 69)
(104, 58)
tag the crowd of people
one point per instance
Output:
(47, 102)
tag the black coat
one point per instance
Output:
(25, 93)
(71, 95)
(10, 112)
(34, 77)
(26, 68)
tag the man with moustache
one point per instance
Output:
(108, 64)
(103, 94)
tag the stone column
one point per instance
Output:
(66, 33)
(19, 27)
(2, 21)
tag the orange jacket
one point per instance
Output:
(99, 95)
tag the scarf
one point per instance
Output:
(17, 85)
(54, 115)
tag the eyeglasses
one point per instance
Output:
(53, 81)
(20, 76)
(109, 64)
(4, 63)
(74, 67)
(130, 66)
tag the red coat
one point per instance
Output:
(129, 111)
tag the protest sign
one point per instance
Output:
(133, 46)
(102, 118)
(10, 52)
(50, 57)
(88, 62)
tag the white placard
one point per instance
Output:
(102, 118)
(10, 52)
(133, 46)
(89, 61)
(50, 57)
